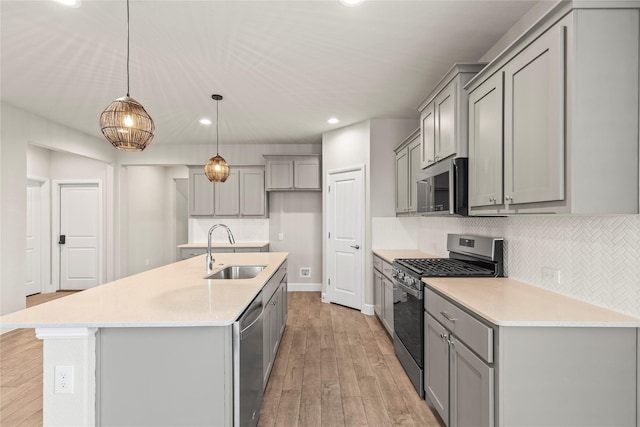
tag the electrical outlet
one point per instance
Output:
(550, 276)
(63, 382)
(280, 236)
(305, 272)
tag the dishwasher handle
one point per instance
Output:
(256, 310)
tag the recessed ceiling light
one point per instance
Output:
(351, 3)
(69, 3)
(333, 120)
(205, 121)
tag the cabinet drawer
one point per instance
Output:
(387, 270)
(477, 335)
(377, 263)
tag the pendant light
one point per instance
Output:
(125, 123)
(217, 169)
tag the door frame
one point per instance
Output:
(55, 227)
(326, 297)
(45, 231)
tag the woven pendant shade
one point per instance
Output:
(217, 169)
(126, 125)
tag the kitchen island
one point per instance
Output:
(154, 348)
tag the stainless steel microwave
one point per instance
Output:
(443, 188)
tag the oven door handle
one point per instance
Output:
(416, 293)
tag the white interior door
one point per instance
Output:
(345, 222)
(33, 265)
(80, 224)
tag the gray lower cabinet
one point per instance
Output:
(479, 374)
(274, 322)
(458, 383)
(377, 293)
(387, 313)
(383, 292)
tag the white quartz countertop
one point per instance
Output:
(225, 245)
(390, 255)
(173, 295)
(508, 302)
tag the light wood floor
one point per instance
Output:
(21, 372)
(335, 367)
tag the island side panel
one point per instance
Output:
(165, 376)
(561, 376)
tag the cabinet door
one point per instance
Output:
(307, 173)
(388, 300)
(267, 359)
(377, 293)
(200, 193)
(428, 136)
(274, 325)
(279, 174)
(534, 121)
(227, 197)
(436, 366)
(402, 180)
(485, 143)
(283, 309)
(445, 115)
(414, 169)
(252, 193)
(471, 388)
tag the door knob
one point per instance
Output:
(63, 239)
(356, 246)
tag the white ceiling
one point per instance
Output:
(284, 67)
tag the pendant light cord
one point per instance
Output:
(127, 47)
(217, 128)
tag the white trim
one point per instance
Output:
(304, 287)
(363, 232)
(45, 231)
(64, 333)
(367, 309)
(56, 186)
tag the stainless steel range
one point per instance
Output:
(469, 256)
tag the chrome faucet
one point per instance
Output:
(210, 259)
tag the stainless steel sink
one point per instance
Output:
(234, 272)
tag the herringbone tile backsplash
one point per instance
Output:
(598, 256)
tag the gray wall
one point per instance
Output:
(298, 216)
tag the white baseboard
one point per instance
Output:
(367, 309)
(304, 287)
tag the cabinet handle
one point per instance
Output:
(447, 316)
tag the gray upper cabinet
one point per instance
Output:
(200, 193)
(443, 116)
(252, 192)
(534, 115)
(485, 143)
(287, 173)
(402, 180)
(227, 195)
(408, 164)
(554, 119)
(242, 194)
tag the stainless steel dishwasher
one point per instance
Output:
(247, 365)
